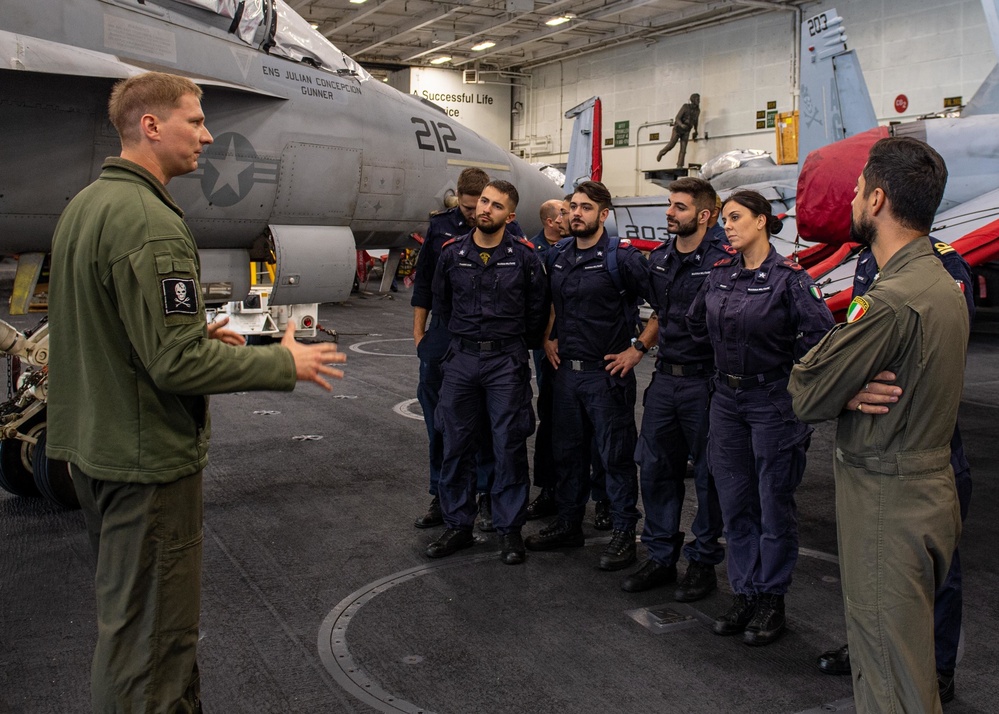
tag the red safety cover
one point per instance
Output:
(825, 187)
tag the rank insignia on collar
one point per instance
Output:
(858, 308)
(762, 275)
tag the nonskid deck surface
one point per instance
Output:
(317, 596)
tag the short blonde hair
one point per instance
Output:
(149, 93)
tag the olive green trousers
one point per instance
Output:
(148, 542)
(897, 535)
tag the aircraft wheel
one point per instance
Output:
(15, 461)
(52, 477)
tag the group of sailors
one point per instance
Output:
(730, 317)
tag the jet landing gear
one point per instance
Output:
(16, 456)
(26, 471)
(24, 468)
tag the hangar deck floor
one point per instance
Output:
(318, 598)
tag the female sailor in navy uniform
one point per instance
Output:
(761, 312)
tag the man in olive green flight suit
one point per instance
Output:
(898, 519)
(131, 361)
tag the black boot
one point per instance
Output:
(738, 616)
(698, 582)
(512, 548)
(450, 542)
(650, 575)
(620, 552)
(558, 535)
(768, 622)
(484, 521)
(432, 517)
(542, 506)
(835, 661)
(601, 516)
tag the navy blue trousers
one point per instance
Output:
(431, 351)
(500, 383)
(675, 426)
(595, 407)
(756, 453)
(544, 459)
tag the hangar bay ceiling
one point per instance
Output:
(390, 34)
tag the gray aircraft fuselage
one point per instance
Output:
(294, 145)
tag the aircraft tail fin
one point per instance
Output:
(986, 99)
(834, 99)
(585, 146)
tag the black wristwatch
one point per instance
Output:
(639, 345)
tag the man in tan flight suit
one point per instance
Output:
(897, 511)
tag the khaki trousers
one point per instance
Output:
(896, 535)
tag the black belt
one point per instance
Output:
(489, 345)
(752, 380)
(694, 369)
(578, 365)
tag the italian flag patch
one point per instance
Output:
(816, 293)
(858, 308)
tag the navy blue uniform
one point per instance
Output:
(675, 420)
(544, 459)
(949, 602)
(444, 226)
(758, 323)
(493, 311)
(591, 320)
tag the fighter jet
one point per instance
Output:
(968, 218)
(313, 160)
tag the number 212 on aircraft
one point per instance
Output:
(441, 130)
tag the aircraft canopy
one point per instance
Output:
(288, 34)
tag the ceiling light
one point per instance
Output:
(358, 2)
(315, 25)
(441, 60)
(560, 20)
(483, 46)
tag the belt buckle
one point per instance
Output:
(676, 370)
(733, 382)
(487, 346)
(576, 365)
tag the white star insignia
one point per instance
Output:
(229, 169)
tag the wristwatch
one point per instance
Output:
(639, 345)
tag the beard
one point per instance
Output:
(582, 229)
(863, 231)
(682, 229)
(489, 225)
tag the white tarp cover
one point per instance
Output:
(733, 160)
(295, 38)
(251, 19)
